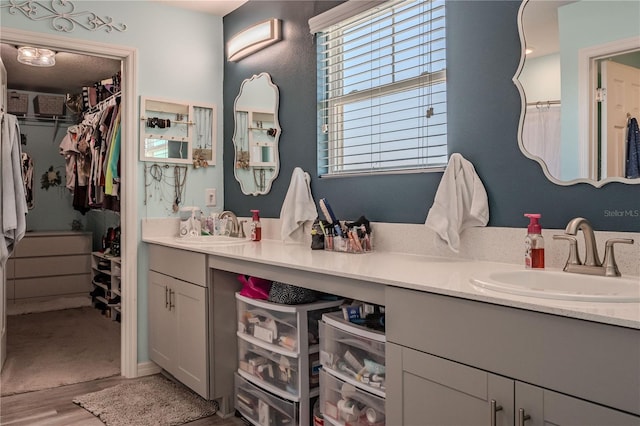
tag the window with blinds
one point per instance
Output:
(382, 89)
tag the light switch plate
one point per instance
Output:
(210, 197)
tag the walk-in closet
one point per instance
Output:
(61, 284)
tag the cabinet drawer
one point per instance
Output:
(10, 270)
(274, 371)
(52, 286)
(182, 264)
(10, 289)
(354, 353)
(271, 323)
(261, 407)
(343, 403)
(52, 266)
(53, 245)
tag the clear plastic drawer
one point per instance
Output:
(271, 323)
(274, 371)
(262, 408)
(354, 353)
(342, 403)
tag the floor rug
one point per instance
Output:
(153, 400)
(51, 349)
(58, 303)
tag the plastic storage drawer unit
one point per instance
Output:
(342, 403)
(272, 370)
(260, 407)
(275, 325)
(353, 353)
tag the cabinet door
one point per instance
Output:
(191, 335)
(162, 323)
(427, 390)
(546, 407)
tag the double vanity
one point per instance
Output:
(462, 346)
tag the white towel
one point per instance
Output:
(460, 202)
(298, 207)
(13, 205)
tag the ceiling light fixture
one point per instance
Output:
(36, 57)
(253, 39)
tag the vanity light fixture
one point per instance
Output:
(36, 57)
(253, 39)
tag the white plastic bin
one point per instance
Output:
(342, 403)
(353, 353)
(262, 408)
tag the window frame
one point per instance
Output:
(331, 142)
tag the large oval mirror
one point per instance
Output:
(579, 78)
(256, 135)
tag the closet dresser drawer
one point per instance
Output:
(42, 244)
(49, 264)
(261, 407)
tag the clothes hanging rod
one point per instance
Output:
(97, 107)
(543, 103)
(34, 118)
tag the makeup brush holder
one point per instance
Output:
(341, 239)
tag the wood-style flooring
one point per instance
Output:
(54, 407)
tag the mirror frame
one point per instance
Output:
(276, 138)
(143, 131)
(523, 106)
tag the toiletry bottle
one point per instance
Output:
(256, 228)
(534, 243)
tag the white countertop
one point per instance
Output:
(446, 276)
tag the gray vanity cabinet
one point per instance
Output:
(436, 391)
(440, 392)
(177, 295)
(449, 358)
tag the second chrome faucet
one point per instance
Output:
(592, 264)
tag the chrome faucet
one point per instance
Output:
(592, 264)
(237, 230)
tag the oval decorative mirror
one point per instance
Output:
(256, 135)
(579, 80)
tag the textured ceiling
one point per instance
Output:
(70, 73)
(73, 71)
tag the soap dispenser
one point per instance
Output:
(534, 243)
(256, 228)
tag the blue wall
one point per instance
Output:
(483, 51)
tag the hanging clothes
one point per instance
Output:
(632, 167)
(27, 175)
(13, 207)
(92, 153)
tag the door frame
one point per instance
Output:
(128, 188)
(587, 107)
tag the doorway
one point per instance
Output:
(128, 214)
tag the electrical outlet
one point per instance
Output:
(210, 197)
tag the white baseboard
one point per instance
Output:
(148, 368)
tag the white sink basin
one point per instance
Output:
(211, 240)
(562, 285)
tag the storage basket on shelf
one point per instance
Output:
(48, 105)
(17, 103)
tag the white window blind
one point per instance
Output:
(382, 90)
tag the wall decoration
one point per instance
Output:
(62, 14)
(50, 178)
